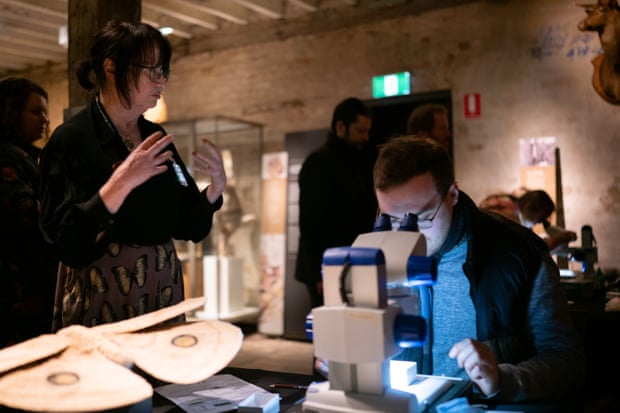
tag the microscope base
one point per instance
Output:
(320, 399)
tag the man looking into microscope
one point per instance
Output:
(499, 312)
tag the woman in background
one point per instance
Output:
(528, 209)
(27, 268)
(115, 192)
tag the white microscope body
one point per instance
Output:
(368, 311)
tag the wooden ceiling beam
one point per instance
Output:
(181, 11)
(36, 54)
(12, 16)
(272, 9)
(307, 5)
(44, 7)
(224, 9)
(323, 20)
(45, 35)
(178, 31)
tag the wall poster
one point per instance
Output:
(538, 166)
(273, 243)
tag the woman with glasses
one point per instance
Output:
(115, 192)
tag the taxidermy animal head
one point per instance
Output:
(604, 18)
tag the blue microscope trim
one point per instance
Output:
(354, 255)
(421, 271)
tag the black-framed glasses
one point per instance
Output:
(156, 73)
(411, 218)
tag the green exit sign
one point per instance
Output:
(393, 84)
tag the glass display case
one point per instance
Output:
(224, 267)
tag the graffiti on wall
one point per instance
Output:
(560, 40)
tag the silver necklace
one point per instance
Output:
(129, 144)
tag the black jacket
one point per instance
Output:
(521, 308)
(336, 202)
(79, 158)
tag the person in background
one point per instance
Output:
(500, 316)
(27, 266)
(431, 120)
(530, 208)
(115, 192)
(336, 196)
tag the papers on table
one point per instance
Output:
(219, 393)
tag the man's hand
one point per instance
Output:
(479, 363)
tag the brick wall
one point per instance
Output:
(526, 59)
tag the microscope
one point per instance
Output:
(367, 318)
(580, 279)
(587, 254)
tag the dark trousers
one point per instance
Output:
(316, 296)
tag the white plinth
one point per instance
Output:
(223, 287)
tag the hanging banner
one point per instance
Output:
(273, 243)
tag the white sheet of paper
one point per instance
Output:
(219, 393)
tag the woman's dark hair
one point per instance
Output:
(129, 46)
(14, 93)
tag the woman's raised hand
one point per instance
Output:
(145, 161)
(210, 162)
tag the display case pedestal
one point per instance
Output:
(223, 288)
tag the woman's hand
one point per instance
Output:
(479, 363)
(145, 161)
(210, 162)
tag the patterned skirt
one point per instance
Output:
(127, 281)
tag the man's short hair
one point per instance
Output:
(402, 158)
(422, 120)
(348, 110)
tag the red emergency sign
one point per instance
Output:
(471, 105)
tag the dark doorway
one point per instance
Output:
(390, 114)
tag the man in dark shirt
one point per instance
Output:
(336, 195)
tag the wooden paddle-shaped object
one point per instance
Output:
(81, 369)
